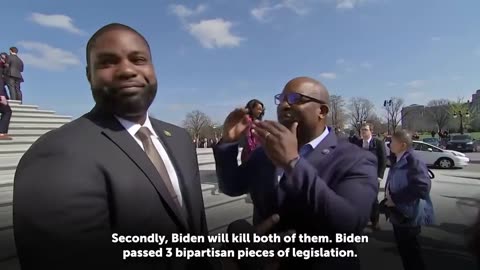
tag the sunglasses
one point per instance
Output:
(296, 98)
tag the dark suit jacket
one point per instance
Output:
(377, 147)
(78, 184)
(15, 67)
(330, 191)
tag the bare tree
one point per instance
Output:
(379, 125)
(393, 107)
(196, 122)
(360, 111)
(438, 112)
(337, 111)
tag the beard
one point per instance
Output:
(124, 105)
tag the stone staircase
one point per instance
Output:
(29, 122)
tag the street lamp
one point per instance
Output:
(388, 104)
(455, 115)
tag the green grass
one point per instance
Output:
(475, 135)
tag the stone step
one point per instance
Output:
(16, 110)
(34, 120)
(17, 115)
(11, 149)
(27, 132)
(6, 195)
(7, 179)
(18, 106)
(27, 125)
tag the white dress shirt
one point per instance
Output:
(133, 128)
(305, 149)
(366, 143)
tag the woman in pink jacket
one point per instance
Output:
(256, 110)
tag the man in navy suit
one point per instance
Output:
(318, 184)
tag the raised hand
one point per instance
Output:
(235, 125)
(279, 142)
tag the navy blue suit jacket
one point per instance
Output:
(329, 191)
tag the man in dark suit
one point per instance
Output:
(113, 170)
(318, 185)
(14, 74)
(376, 147)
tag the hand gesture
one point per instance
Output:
(235, 125)
(279, 142)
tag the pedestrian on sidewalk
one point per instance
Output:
(407, 193)
(5, 115)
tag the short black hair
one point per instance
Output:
(14, 49)
(251, 104)
(106, 28)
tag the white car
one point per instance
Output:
(435, 156)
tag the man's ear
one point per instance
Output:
(324, 109)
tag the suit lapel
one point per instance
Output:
(323, 149)
(315, 157)
(114, 131)
(191, 198)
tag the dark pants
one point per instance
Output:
(409, 247)
(14, 88)
(5, 114)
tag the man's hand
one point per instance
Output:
(279, 142)
(235, 125)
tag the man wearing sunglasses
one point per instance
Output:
(318, 184)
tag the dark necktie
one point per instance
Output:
(144, 135)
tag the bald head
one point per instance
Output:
(310, 87)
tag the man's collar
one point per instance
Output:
(133, 127)
(315, 142)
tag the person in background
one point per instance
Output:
(14, 74)
(3, 69)
(407, 193)
(5, 115)
(353, 137)
(256, 111)
(376, 147)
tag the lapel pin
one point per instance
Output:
(168, 134)
(325, 151)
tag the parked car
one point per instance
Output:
(442, 158)
(463, 143)
(432, 140)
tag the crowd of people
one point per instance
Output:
(11, 68)
(132, 174)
